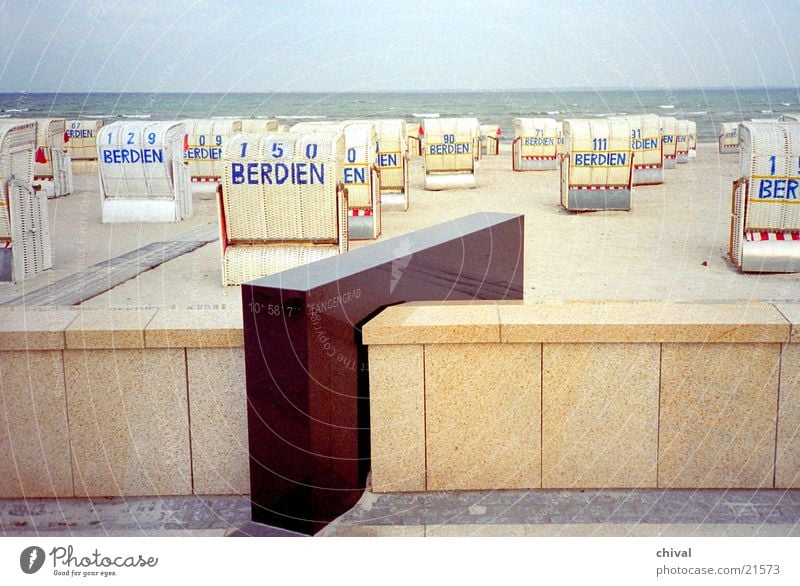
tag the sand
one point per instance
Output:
(672, 245)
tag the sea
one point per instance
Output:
(707, 107)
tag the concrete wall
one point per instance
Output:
(584, 395)
(122, 402)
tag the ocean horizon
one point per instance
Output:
(708, 107)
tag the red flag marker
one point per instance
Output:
(185, 142)
(421, 130)
(499, 132)
(66, 137)
(40, 156)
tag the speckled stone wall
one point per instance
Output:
(590, 395)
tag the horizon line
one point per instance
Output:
(418, 91)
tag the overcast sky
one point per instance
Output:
(335, 46)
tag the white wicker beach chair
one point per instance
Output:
(449, 151)
(692, 139)
(82, 144)
(765, 224)
(490, 139)
(648, 161)
(360, 174)
(53, 169)
(414, 139)
(669, 140)
(682, 141)
(597, 170)
(259, 125)
(535, 146)
(205, 141)
(728, 138)
(142, 174)
(392, 160)
(25, 248)
(281, 203)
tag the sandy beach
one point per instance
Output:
(671, 246)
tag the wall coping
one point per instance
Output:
(416, 323)
(79, 328)
(584, 322)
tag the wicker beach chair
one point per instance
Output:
(765, 221)
(692, 139)
(490, 139)
(646, 145)
(25, 247)
(142, 174)
(259, 125)
(669, 140)
(535, 146)
(53, 170)
(682, 141)
(728, 138)
(82, 144)
(205, 140)
(360, 174)
(449, 151)
(597, 169)
(281, 203)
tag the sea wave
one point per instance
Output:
(786, 103)
(667, 106)
(141, 116)
(554, 112)
(698, 113)
(766, 111)
(98, 116)
(18, 110)
(5, 115)
(299, 117)
(426, 115)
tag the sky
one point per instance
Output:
(413, 45)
